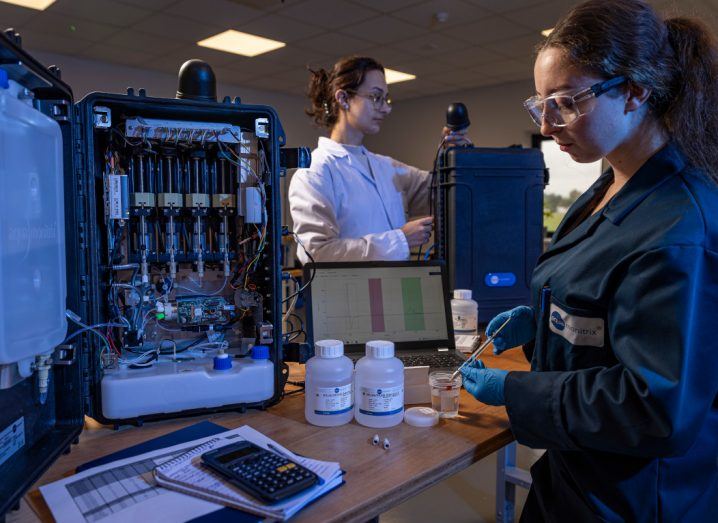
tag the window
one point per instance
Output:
(568, 180)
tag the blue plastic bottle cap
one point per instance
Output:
(260, 352)
(222, 362)
(4, 83)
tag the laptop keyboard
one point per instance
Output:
(448, 360)
(435, 361)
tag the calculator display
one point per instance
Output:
(231, 456)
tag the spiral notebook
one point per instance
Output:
(188, 475)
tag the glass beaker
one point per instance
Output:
(445, 393)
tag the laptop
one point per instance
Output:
(403, 302)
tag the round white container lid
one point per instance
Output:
(380, 349)
(329, 348)
(421, 417)
(462, 294)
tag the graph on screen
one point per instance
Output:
(395, 303)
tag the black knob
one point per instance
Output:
(196, 81)
(457, 116)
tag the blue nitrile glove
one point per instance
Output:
(486, 385)
(520, 330)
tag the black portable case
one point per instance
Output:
(490, 222)
(50, 429)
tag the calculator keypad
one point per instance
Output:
(269, 472)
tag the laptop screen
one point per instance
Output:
(403, 302)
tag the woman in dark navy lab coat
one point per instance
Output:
(622, 332)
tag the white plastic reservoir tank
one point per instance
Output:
(32, 231)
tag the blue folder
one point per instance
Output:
(196, 431)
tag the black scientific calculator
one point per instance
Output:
(263, 474)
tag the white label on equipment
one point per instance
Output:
(12, 439)
(383, 401)
(329, 401)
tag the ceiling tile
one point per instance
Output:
(386, 6)
(383, 30)
(41, 41)
(493, 29)
(330, 14)
(14, 16)
(457, 76)
(112, 54)
(470, 57)
(211, 56)
(139, 41)
(215, 12)
(458, 12)
(176, 28)
(433, 44)
(334, 43)
(152, 5)
(281, 28)
(424, 67)
(506, 67)
(388, 55)
(521, 48)
(295, 55)
(103, 11)
(293, 76)
(268, 5)
(55, 24)
(257, 67)
(503, 6)
(542, 16)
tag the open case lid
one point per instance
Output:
(34, 431)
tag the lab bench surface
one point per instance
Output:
(376, 479)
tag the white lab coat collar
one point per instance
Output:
(332, 148)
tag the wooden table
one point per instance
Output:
(376, 479)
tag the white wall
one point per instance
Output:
(413, 130)
(85, 76)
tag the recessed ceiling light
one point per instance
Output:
(546, 32)
(40, 5)
(244, 44)
(393, 77)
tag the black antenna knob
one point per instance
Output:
(457, 117)
(196, 81)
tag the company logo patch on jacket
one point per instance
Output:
(578, 330)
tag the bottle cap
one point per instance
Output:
(380, 349)
(462, 294)
(260, 352)
(222, 361)
(329, 348)
(4, 83)
(421, 417)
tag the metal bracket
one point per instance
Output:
(64, 355)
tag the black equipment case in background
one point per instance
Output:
(490, 222)
(74, 392)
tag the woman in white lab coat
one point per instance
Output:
(350, 204)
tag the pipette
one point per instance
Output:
(481, 348)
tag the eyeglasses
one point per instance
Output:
(377, 99)
(560, 110)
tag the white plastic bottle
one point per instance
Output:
(379, 387)
(464, 312)
(329, 399)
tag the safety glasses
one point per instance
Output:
(561, 109)
(377, 99)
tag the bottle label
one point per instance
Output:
(383, 401)
(329, 401)
(463, 322)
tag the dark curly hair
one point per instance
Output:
(347, 74)
(676, 58)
